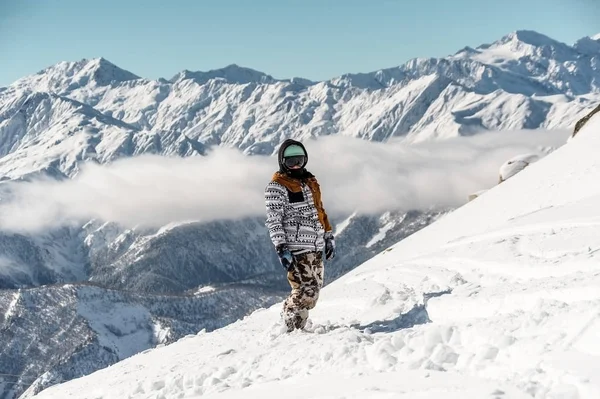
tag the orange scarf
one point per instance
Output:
(295, 186)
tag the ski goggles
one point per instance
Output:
(297, 160)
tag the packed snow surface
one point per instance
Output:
(499, 299)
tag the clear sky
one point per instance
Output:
(314, 39)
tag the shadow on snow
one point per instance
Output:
(415, 316)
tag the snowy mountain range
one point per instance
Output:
(498, 299)
(91, 109)
(71, 113)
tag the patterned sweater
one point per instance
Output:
(295, 214)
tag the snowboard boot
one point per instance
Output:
(295, 320)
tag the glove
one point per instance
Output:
(285, 257)
(329, 245)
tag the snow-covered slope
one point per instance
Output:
(55, 333)
(183, 257)
(42, 132)
(497, 299)
(66, 77)
(46, 258)
(164, 268)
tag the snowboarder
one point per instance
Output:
(299, 229)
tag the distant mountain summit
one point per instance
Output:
(231, 74)
(65, 77)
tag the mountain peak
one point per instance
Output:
(588, 45)
(105, 72)
(66, 76)
(521, 45)
(232, 73)
(529, 37)
(99, 63)
(102, 71)
(595, 37)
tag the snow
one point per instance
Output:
(65, 253)
(232, 74)
(9, 267)
(516, 46)
(343, 224)
(497, 299)
(525, 80)
(596, 36)
(501, 262)
(413, 384)
(118, 325)
(388, 224)
(205, 289)
(12, 308)
(516, 164)
(72, 75)
(160, 332)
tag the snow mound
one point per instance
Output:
(516, 164)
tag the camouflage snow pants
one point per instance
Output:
(306, 280)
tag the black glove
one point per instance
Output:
(329, 245)
(285, 257)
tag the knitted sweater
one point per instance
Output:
(295, 214)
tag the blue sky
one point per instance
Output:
(315, 39)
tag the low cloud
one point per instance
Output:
(355, 175)
(374, 177)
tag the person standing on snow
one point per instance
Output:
(299, 229)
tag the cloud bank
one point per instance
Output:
(355, 176)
